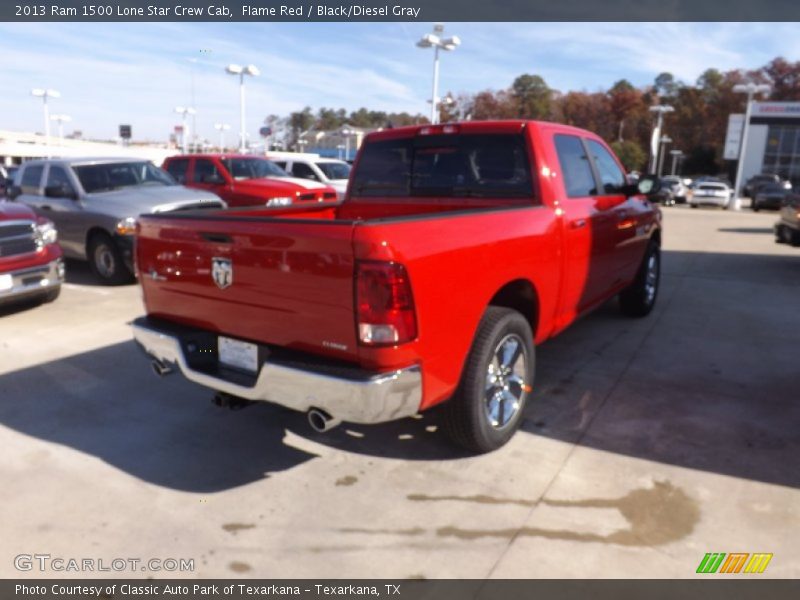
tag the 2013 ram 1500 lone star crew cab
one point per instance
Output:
(457, 249)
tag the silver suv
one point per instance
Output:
(95, 202)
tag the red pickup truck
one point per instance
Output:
(457, 249)
(31, 266)
(244, 180)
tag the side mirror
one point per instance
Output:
(13, 192)
(59, 191)
(648, 185)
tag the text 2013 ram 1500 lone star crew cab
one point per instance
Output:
(457, 249)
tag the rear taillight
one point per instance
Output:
(385, 304)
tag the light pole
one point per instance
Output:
(660, 110)
(751, 89)
(436, 41)
(61, 119)
(665, 139)
(183, 111)
(222, 128)
(676, 154)
(44, 94)
(347, 133)
(241, 71)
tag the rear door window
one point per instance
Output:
(575, 167)
(178, 168)
(461, 166)
(205, 171)
(32, 179)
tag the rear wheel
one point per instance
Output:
(791, 236)
(638, 299)
(487, 408)
(106, 260)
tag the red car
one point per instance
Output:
(457, 250)
(31, 266)
(242, 180)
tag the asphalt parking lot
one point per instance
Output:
(651, 443)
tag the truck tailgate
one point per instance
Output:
(291, 282)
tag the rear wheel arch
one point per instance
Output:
(519, 295)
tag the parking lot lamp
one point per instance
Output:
(676, 155)
(241, 71)
(660, 110)
(347, 133)
(436, 41)
(751, 89)
(61, 119)
(184, 111)
(44, 94)
(662, 142)
(222, 128)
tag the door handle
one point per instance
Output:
(578, 223)
(46, 207)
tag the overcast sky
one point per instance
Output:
(137, 73)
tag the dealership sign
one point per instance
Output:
(776, 109)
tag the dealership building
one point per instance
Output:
(773, 140)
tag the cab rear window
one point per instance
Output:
(463, 166)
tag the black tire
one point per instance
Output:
(639, 298)
(51, 295)
(106, 262)
(468, 418)
(792, 236)
(754, 205)
(693, 205)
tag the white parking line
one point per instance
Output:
(81, 288)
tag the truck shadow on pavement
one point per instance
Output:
(708, 381)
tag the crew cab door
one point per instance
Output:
(629, 240)
(589, 230)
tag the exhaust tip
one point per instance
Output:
(160, 369)
(320, 421)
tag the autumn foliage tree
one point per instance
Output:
(619, 114)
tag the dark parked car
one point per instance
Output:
(787, 229)
(769, 195)
(757, 181)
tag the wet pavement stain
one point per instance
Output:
(658, 515)
(479, 499)
(410, 531)
(239, 567)
(346, 480)
(235, 528)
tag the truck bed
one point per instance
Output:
(293, 268)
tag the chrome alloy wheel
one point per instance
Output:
(651, 278)
(505, 381)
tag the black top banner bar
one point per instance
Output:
(399, 10)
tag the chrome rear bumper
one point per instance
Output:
(374, 398)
